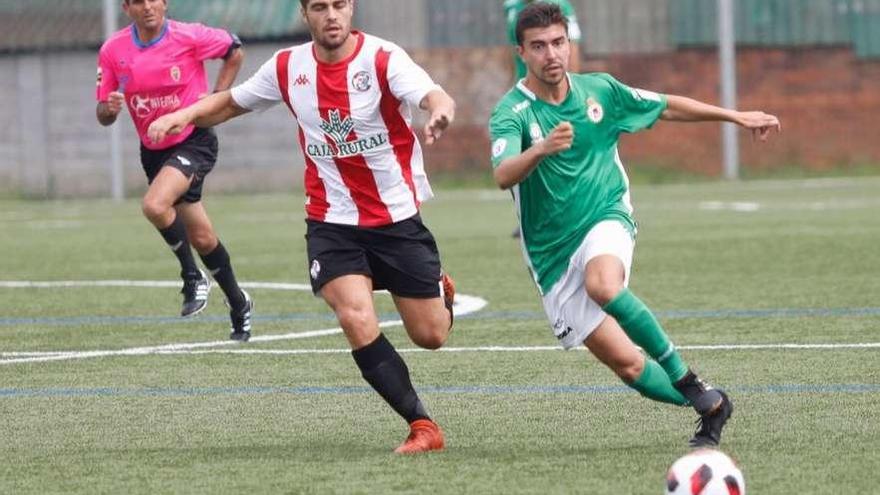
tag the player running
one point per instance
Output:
(554, 145)
(156, 66)
(351, 94)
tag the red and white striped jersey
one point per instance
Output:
(364, 164)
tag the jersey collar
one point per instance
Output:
(521, 86)
(344, 62)
(137, 39)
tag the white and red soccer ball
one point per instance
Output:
(705, 472)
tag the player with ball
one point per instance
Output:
(554, 145)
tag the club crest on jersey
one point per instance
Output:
(362, 81)
(339, 130)
(595, 112)
(175, 73)
(535, 133)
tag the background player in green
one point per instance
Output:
(554, 144)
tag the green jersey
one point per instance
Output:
(513, 7)
(570, 192)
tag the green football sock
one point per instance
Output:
(643, 328)
(655, 384)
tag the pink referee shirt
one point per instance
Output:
(161, 76)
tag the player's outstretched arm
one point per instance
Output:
(208, 112)
(683, 109)
(514, 170)
(441, 110)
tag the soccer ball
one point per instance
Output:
(705, 472)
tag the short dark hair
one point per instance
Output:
(539, 15)
(304, 3)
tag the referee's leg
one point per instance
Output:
(166, 188)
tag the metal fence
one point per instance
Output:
(51, 146)
(47, 25)
(784, 23)
(609, 26)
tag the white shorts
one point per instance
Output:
(573, 315)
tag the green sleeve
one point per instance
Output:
(505, 130)
(635, 109)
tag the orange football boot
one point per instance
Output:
(424, 436)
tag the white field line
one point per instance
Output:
(718, 347)
(740, 206)
(206, 348)
(66, 284)
(492, 195)
(464, 304)
(751, 206)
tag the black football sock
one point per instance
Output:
(217, 262)
(384, 369)
(175, 236)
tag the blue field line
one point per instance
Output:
(682, 314)
(17, 393)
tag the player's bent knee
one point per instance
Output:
(355, 319)
(148, 208)
(203, 240)
(603, 292)
(629, 371)
(154, 209)
(431, 340)
(429, 334)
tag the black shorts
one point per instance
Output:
(195, 157)
(401, 257)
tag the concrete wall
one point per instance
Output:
(52, 146)
(827, 99)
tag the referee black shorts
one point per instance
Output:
(401, 257)
(195, 157)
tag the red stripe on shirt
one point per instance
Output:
(333, 96)
(399, 133)
(282, 70)
(316, 206)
